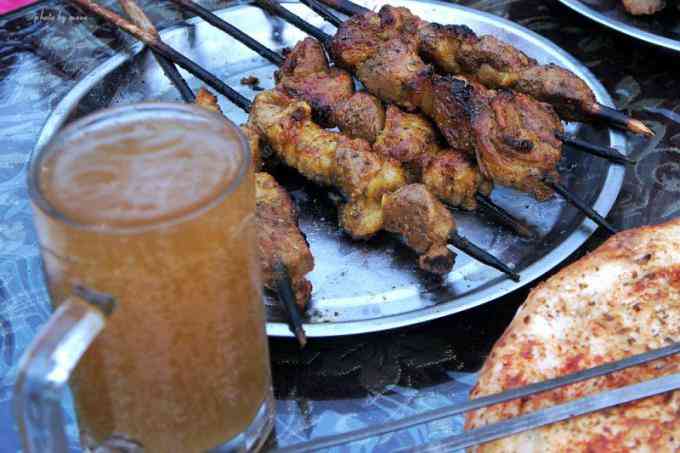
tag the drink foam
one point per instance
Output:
(138, 173)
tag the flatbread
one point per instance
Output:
(620, 300)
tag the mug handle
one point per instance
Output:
(47, 364)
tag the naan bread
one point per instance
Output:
(622, 299)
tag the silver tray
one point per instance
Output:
(662, 29)
(369, 286)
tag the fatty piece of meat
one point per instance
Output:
(643, 7)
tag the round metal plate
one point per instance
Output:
(369, 286)
(661, 29)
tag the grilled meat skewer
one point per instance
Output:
(511, 147)
(279, 239)
(513, 137)
(269, 196)
(597, 150)
(406, 137)
(285, 258)
(377, 189)
(305, 73)
(331, 159)
(502, 139)
(416, 234)
(456, 49)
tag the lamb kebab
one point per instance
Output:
(456, 49)
(411, 139)
(515, 142)
(376, 189)
(408, 138)
(284, 253)
(361, 217)
(279, 239)
(331, 93)
(305, 73)
(362, 176)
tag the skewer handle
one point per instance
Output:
(606, 152)
(297, 21)
(580, 205)
(284, 289)
(168, 52)
(477, 253)
(619, 119)
(232, 31)
(323, 11)
(345, 7)
(503, 217)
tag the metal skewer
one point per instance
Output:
(557, 413)
(346, 7)
(163, 49)
(322, 11)
(305, 26)
(580, 205)
(598, 111)
(278, 10)
(503, 217)
(209, 78)
(144, 30)
(486, 401)
(495, 211)
(481, 255)
(284, 289)
(229, 29)
(605, 152)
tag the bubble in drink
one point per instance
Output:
(160, 215)
(134, 174)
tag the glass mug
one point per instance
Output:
(145, 219)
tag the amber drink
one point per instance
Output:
(154, 204)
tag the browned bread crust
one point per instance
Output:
(620, 300)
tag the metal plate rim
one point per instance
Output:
(621, 27)
(604, 202)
